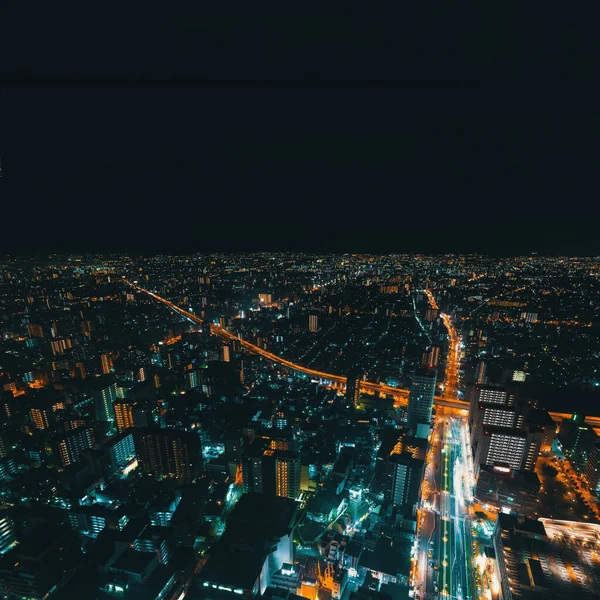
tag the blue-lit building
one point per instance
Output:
(7, 538)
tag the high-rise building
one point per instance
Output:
(35, 331)
(493, 405)
(431, 358)
(40, 417)
(36, 566)
(500, 431)
(272, 472)
(72, 445)
(406, 475)
(123, 415)
(353, 386)
(105, 393)
(105, 364)
(592, 470)
(287, 472)
(169, 453)
(420, 399)
(226, 353)
(313, 323)
(502, 445)
(481, 373)
(114, 456)
(192, 379)
(7, 538)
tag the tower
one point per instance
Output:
(420, 399)
(353, 386)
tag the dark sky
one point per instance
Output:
(200, 129)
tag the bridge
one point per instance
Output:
(400, 395)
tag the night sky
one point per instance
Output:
(197, 131)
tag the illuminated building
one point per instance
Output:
(40, 419)
(265, 299)
(169, 453)
(226, 353)
(81, 366)
(104, 364)
(155, 540)
(115, 456)
(36, 566)
(72, 445)
(273, 472)
(105, 393)
(481, 373)
(7, 538)
(95, 518)
(123, 415)
(35, 331)
(192, 379)
(405, 480)
(313, 323)
(501, 445)
(431, 358)
(525, 549)
(353, 386)
(257, 542)
(576, 439)
(420, 399)
(592, 469)
(508, 490)
(388, 562)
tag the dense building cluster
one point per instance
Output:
(143, 456)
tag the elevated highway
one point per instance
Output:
(337, 381)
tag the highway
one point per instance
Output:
(401, 395)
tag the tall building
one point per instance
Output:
(592, 470)
(123, 415)
(481, 373)
(7, 538)
(169, 453)
(105, 393)
(492, 405)
(353, 386)
(39, 563)
(431, 358)
(72, 445)
(420, 399)
(41, 417)
(313, 323)
(35, 331)
(501, 432)
(287, 472)
(114, 456)
(406, 475)
(226, 353)
(105, 364)
(192, 379)
(258, 541)
(272, 472)
(501, 445)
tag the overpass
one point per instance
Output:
(336, 381)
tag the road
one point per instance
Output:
(401, 395)
(455, 540)
(452, 371)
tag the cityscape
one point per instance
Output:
(289, 425)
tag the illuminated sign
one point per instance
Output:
(502, 469)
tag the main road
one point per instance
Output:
(449, 400)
